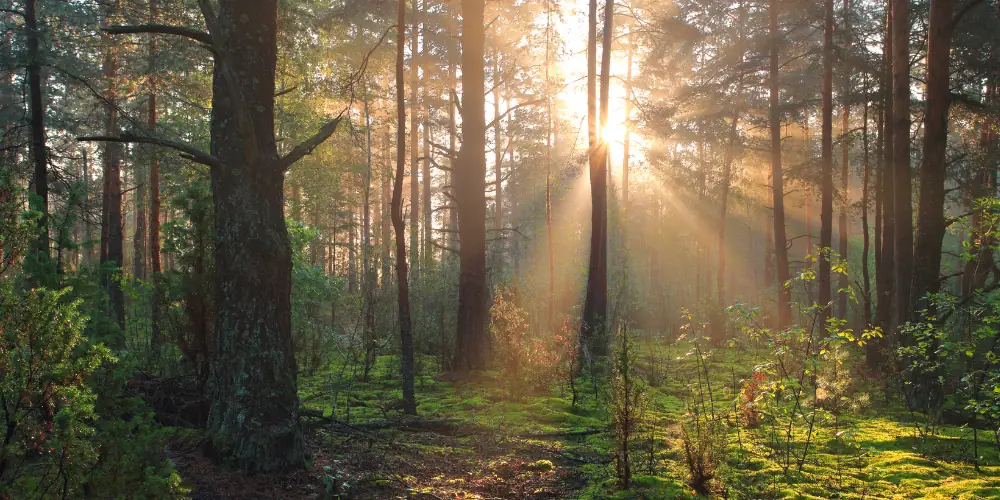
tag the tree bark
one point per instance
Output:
(826, 208)
(254, 417)
(595, 307)
(112, 253)
(902, 202)
(154, 187)
(470, 194)
(414, 141)
(845, 146)
(876, 354)
(777, 184)
(403, 286)
(930, 213)
(39, 248)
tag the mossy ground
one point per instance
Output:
(493, 449)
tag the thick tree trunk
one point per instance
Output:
(470, 194)
(112, 253)
(595, 307)
(826, 209)
(254, 418)
(39, 155)
(902, 202)
(930, 212)
(403, 286)
(777, 181)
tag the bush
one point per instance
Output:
(527, 361)
(61, 439)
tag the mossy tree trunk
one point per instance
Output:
(254, 420)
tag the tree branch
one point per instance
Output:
(190, 152)
(201, 37)
(509, 110)
(306, 147)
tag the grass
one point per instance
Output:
(871, 453)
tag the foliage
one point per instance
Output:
(529, 361)
(62, 438)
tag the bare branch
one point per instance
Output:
(511, 109)
(190, 152)
(199, 36)
(307, 146)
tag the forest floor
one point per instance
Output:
(477, 438)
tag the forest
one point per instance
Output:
(444, 249)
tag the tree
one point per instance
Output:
(777, 176)
(112, 253)
(826, 211)
(903, 205)
(469, 179)
(39, 155)
(405, 328)
(253, 421)
(930, 213)
(595, 307)
(156, 268)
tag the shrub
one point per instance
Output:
(61, 439)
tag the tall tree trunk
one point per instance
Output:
(902, 202)
(845, 146)
(254, 417)
(826, 210)
(595, 307)
(548, 167)
(885, 280)
(470, 194)
(727, 167)
(368, 279)
(498, 153)
(628, 125)
(930, 212)
(428, 249)
(403, 286)
(112, 253)
(866, 299)
(414, 141)
(777, 181)
(154, 187)
(39, 155)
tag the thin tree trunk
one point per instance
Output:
(866, 299)
(154, 187)
(112, 254)
(826, 210)
(845, 144)
(414, 141)
(405, 330)
(39, 248)
(780, 240)
(548, 167)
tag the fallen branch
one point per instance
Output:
(557, 434)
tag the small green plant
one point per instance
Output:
(628, 403)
